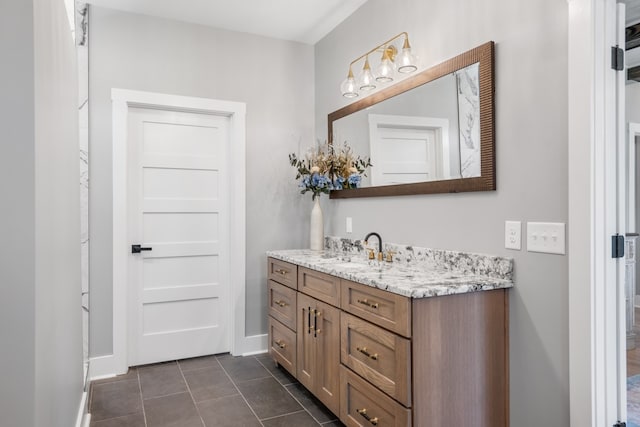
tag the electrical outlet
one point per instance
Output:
(349, 225)
(513, 235)
(546, 237)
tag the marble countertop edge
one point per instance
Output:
(408, 281)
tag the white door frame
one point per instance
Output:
(122, 100)
(596, 211)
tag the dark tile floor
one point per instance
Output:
(212, 391)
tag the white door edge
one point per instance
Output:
(593, 294)
(122, 100)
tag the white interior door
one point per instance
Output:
(179, 304)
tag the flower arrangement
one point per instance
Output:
(325, 168)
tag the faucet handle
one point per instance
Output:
(389, 256)
(371, 254)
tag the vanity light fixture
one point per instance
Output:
(390, 62)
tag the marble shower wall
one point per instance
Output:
(82, 47)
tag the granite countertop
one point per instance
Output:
(418, 272)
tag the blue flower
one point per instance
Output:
(319, 181)
(354, 180)
(304, 182)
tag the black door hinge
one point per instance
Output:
(617, 246)
(620, 424)
(617, 58)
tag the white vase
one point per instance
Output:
(316, 227)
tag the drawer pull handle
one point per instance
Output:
(367, 303)
(280, 344)
(366, 416)
(280, 303)
(283, 272)
(364, 351)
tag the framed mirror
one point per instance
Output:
(430, 133)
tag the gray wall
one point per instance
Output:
(39, 258)
(59, 368)
(17, 186)
(531, 160)
(273, 77)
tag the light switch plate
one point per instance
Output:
(546, 237)
(513, 235)
(349, 225)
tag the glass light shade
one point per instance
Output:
(366, 78)
(384, 71)
(348, 87)
(406, 61)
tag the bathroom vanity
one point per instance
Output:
(422, 341)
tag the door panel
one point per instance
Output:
(306, 353)
(178, 208)
(328, 356)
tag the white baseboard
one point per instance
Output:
(102, 367)
(83, 417)
(254, 344)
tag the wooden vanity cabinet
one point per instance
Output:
(318, 355)
(379, 358)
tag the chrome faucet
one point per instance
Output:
(366, 239)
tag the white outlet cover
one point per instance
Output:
(546, 237)
(349, 225)
(513, 235)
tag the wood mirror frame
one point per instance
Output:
(484, 56)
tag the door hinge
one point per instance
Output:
(617, 58)
(620, 424)
(617, 246)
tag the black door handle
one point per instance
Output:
(136, 249)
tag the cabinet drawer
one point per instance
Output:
(319, 285)
(282, 345)
(379, 356)
(282, 304)
(386, 309)
(362, 405)
(283, 272)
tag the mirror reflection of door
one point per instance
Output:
(407, 149)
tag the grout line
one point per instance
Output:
(191, 394)
(166, 395)
(144, 413)
(300, 403)
(285, 415)
(286, 387)
(239, 392)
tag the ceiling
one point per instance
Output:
(305, 21)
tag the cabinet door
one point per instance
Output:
(306, 341)
(318, 355)
(327, 384)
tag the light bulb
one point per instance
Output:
(366, 78)
(348, 86)
(406, 61)
(384, 71)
